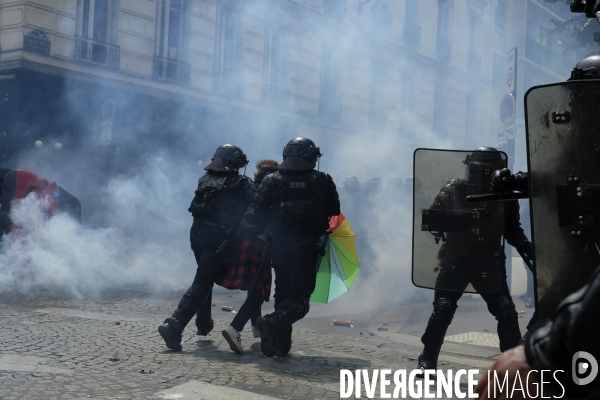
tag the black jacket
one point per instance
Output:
(317, 201)
(452, 198)
(224, 203)
(574, 328)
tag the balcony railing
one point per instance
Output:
(412, 36)
(276, 95)
(228, 83)
(171, 70)
(443, 50)
(95, 52)
(544, 56)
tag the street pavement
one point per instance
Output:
(107, 347)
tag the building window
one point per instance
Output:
(170, 29)
(94, 43)
(275, 88)
(500, 15)
(382, 18)
(330, 104)
(169, 63)
(96, 12)
(443, 19)
(412, 30)
(412, 11)
(228, 58)
(443, 45)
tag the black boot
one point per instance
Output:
(173, 327)
(204, 326)
(509, 335)
(283, 342)
(443, 312)
(268, 340)
(171, 331)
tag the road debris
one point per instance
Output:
(343, 322)
(226, 308)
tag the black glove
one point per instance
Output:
(503, 181)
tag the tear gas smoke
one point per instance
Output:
(136, 224)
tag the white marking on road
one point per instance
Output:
(476, 338)
(198, 390)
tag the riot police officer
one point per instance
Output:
(220, 201)
(476, 259)
(297, 201)
(351, 197)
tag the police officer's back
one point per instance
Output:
(219, 203)
(297, 201)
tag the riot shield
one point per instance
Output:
(562, 122)
(457, 245)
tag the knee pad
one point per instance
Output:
(294, 313)
(443, 309)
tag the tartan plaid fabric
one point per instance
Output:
(240, 271)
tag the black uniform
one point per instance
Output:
(477, 259)
(554, 345)
(298, 205)
(220, 202)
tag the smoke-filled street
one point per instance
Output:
(108, 348)
(298, 199)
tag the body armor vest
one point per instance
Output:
(301, 202)
(486, 231)
(215, 200)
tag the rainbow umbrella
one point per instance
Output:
(338, 267)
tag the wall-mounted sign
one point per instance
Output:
(507, 109)
(37, 42)
(109, 108)
(507, 132)
(511, 70)
(106, 135)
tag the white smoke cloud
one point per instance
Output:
(141, 246)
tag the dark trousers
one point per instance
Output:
(500, 305)
(204, 245)
(250, 310)
(294, 259)
(205, 240)
(490, 298)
